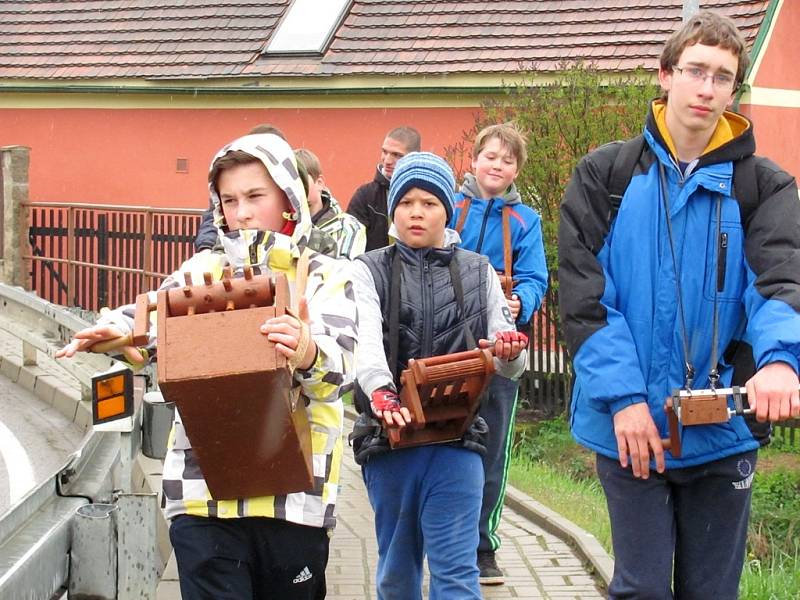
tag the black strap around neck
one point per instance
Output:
(458, 289)
(689, 367)
(394, 312)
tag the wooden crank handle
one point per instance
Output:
(112, 344)
(444, 359)
(673, 443)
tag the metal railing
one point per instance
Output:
(95, 255)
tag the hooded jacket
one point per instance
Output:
(347, 231)
(482, 232)
(618, 283)
(369, 206)
(332, 308)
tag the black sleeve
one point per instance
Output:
(586, 213)
(206, 233)
(358, 206)
(772, 242)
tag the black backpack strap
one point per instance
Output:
(622, 171)
(458, 290)
(745, 187)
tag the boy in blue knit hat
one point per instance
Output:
(426, 499)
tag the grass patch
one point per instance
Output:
(777, 578)
(548, 465)
(582, 502)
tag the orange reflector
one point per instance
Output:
(113, 386)
(111, 407)
(112, 395)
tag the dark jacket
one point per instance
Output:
(369, 205)
(430, 324)
(618, 294)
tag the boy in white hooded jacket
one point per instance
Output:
(274, 546)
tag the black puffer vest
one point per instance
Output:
(430, 321)
(430, 324)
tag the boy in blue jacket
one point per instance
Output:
(663, 291)
(487, 199)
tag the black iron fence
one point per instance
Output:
(92, 256)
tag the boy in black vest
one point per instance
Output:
(426, 499)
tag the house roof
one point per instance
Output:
(198, 39)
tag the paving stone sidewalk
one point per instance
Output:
(537, 564)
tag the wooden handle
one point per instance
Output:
(673, 444)
(141, 320)
(112, 344)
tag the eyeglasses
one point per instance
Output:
(721, 81)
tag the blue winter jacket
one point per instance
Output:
(482, 232)
(618, 295)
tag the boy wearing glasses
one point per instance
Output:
(681, 281)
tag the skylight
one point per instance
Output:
(307, 27)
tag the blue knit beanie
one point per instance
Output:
(427, 172)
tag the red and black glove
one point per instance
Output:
(512, 336)
(383, 400)
(502, 338)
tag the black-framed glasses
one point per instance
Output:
(722, 81)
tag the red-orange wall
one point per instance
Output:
(777, 131)
(128, 156)
(779, 67)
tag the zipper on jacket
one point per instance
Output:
(722, 259)
(427, 309)
(486, 214)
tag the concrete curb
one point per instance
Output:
(583, 542)
(49, 388)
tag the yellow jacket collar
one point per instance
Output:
(729, 126)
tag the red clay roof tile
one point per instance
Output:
(190, 39)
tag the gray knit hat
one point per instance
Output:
(427, 172)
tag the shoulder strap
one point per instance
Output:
(458, 290)
(745, 187)
(622, 171)
(507, 263)
(394, 313)
(463, 214)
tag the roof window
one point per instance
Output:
(307, 26)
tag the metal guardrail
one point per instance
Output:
(35, 533)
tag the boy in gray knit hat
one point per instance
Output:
(426, 499)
